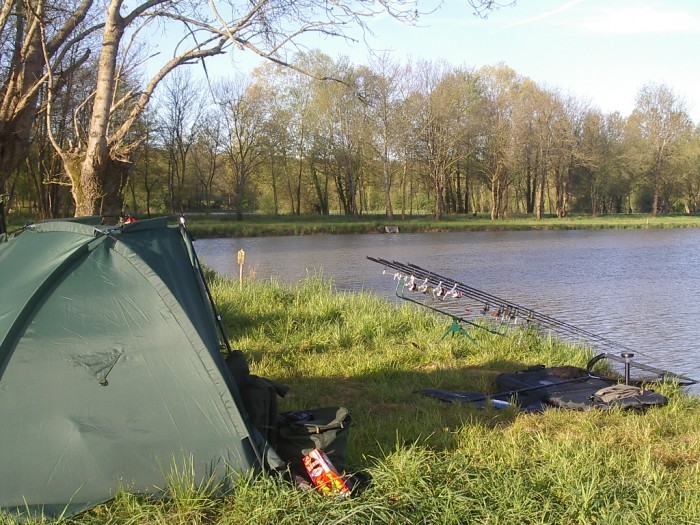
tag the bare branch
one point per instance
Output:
(63, 34)
(49, 100)
(141, 9)
(482, 8)
(5, 13)
(193, 55)
(68, 45)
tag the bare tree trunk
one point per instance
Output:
(240, 192)
(437, 188)
(321, 196)
(91, 195)
(404, 177)
(387, 180)
(499, 186)
(541, 191)
(657, 185)
(19, 93)
(288, 182)
(459, 208)
(297, 187)
(23, 74)
(530, 185)
(273, 175)
(102, 188)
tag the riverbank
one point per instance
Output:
(222, 226)
(225, 225)
(433, 462)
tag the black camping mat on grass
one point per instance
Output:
(563, 387)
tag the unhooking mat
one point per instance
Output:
(573, 388)
(568, 387)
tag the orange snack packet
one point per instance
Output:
(324, 475)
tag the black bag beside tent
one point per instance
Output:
(259, 396)
(301, 431)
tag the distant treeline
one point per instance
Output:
(391, 138)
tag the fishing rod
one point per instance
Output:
(457, 318)
(561, 328)
(511, 308)
(532, 316)
(509, 311)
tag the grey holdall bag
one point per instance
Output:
(327, 429)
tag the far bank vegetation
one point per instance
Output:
(392, 137)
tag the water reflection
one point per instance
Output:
(638, 287)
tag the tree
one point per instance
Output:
(312, 132)
(288, 131)
(661, 120)
(442, 132)
(244, 118)
(569, 137)
(408, 118)
(688, 166)
(500, 90)
(591, 155)
(207, 153)
(181, 110)
(617, 180)
(466, 130)
(32, 33)
(528, 154)
(548, 116)
(348, 136)
(99, 164)
(149, 177)
(275, 139)
(383, 97)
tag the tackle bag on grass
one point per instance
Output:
(259, 396)
(301, 431)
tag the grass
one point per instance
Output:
(256, 225)
(262, 225)
(432, 462)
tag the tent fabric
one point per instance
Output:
(111, 373)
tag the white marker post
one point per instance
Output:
(241, 258)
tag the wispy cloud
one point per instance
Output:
(640, 20)
(625, 18)
(546, 14)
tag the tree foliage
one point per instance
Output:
(80, 130)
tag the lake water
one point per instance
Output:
(636, 287)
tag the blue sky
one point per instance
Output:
(601, 51)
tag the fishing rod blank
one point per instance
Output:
(613, 350)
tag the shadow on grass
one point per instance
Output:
(388, 411)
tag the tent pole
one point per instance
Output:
(217, 317)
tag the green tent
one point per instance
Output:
(111, 373)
